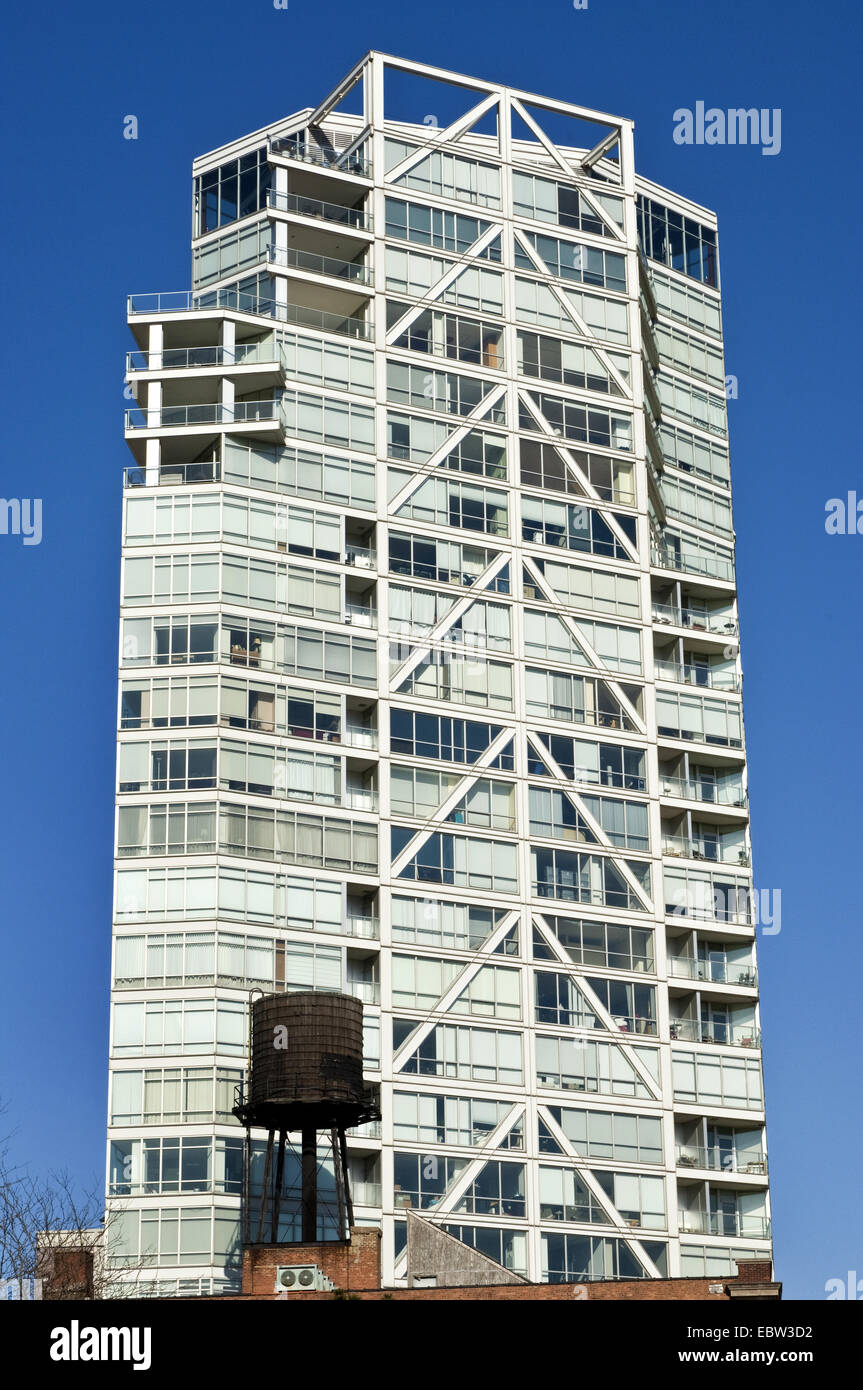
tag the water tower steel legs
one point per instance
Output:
(310, 1186)
(280, 1174)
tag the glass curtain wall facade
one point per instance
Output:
(430, 691)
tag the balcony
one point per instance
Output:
(365, 1194)
(208, 301)
(369, 991)
(721, 1160)
(698, 620)
(741, 974)
(367, 927)
(724, 1223)
(709, 847)
(294, 258)
(192, 358)
(360, 615)
(305, 153)
(173, 474)
(710, 566)
(691, 673)
(711, 793)
(355, 217)
(206, 415)
(720, 1032)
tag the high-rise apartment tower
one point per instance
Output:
(430, 691)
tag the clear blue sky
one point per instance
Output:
(91, 216)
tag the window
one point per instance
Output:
(677, 241)
(584, 878)
(607, 944)
(469, 1054)
(598, 764)
(543, 466)
(538, 303)
(441, 737)
(446, 175)
(432, 922)
(324, 477)
(466, 1121)
(581, 423)
(573, 260)
(456, 859)
(578, 1065)
(428, 226)
(604, 1134)
(232, 190)
(544, 200)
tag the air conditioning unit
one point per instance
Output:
(301, 1279)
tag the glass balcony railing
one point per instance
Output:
(689, 673)
(705, 847)
(317, 208)
(724, 1223)
(173, 474)
(724, 1034)
(203, 301)
(369, 991)
(355, 924)
(361, 556)
(210, 413)
(712, 793)
(721, 1160)
(714, 972)
(365, 1194)
(668, 613)
(173, 359)
(360, 615)
(292, 258)
(305, 153)
(712, 566)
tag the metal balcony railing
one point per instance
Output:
(173, 474)
(690, 673)
(719, 623)
(712, 793)
(304, 153)
(714, 1031)
(721, 1160)
(712, 566)
(173, 359)
(292, 258)
(204, 301)
(319, 209)
(714, 972)
(724, 1223)
(209, 413)
(706, 847)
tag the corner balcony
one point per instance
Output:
(293, 148)
(691, 673)
(706, 847)
(715, 567)
(719, 1032)
(721, 1160)
(193, 360)
(739, 1224)
(714, 971)
(695, 619)
(349, 322)
(724, 796)
(205, 417)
